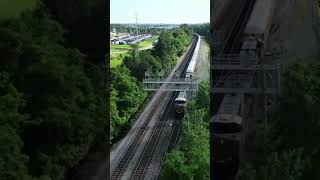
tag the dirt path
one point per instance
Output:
(203, 67)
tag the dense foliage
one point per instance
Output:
(290, 140)
(125, 99)
(171, 44)
(85, 22)
(191, 159)
(143, 29)
(202, 29)
(127, 95)
(51, 103)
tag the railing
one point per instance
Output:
(265, 79)
(234, 59)
(174, 85)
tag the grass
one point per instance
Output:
(13, 8)
(148, 43)
(116, 50)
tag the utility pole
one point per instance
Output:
(136, 17)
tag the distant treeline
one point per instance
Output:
(119, 28)
(127, 94)
(202, 29)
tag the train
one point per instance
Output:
(180, 104)
(181, 100)
(226, 128)
(256, 34)
(226, 124)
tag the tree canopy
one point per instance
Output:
(127, 95)
(288, 147)
(191, 158)
(51, 105)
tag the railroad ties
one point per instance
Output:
(236, 71)
(122, 164)
(144, 160)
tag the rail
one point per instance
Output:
(127, 156)
(143, 163)
(144, 160)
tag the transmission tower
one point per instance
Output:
(136, 18)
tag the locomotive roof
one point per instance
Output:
(193, 60)
(226, 118)
(230, 104)
(182, 96)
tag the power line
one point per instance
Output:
(136, 18)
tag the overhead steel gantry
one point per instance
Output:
(265, 78)
(165, 84)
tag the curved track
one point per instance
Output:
(122, 164)
(144, 160)
(232, 46)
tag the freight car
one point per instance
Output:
(181, 100)
(257, 30)
(226, 128)
(193, 62)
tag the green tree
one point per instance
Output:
(59, 119)
(126, 98)
(286, 165)
(175, 166)
(84, 21)
(191, 159)
(203, 96)
(13, 163)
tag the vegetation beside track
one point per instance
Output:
(191, 158)
(287, 146)
(52, 108)
(13, 8)
(202, 29)
(127, 94)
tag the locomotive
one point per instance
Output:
(226, 124)
(181, 100)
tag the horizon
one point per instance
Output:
(159, 12)
(160, 23)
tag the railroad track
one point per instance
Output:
(234, 36)
(172, 142)
(122, 164)
(232, 46)
(140, 170)
(152, 142)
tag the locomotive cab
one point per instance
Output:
(226, 138)
(180, 104)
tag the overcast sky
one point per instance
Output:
(160, 11)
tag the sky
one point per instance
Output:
(160, 11)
